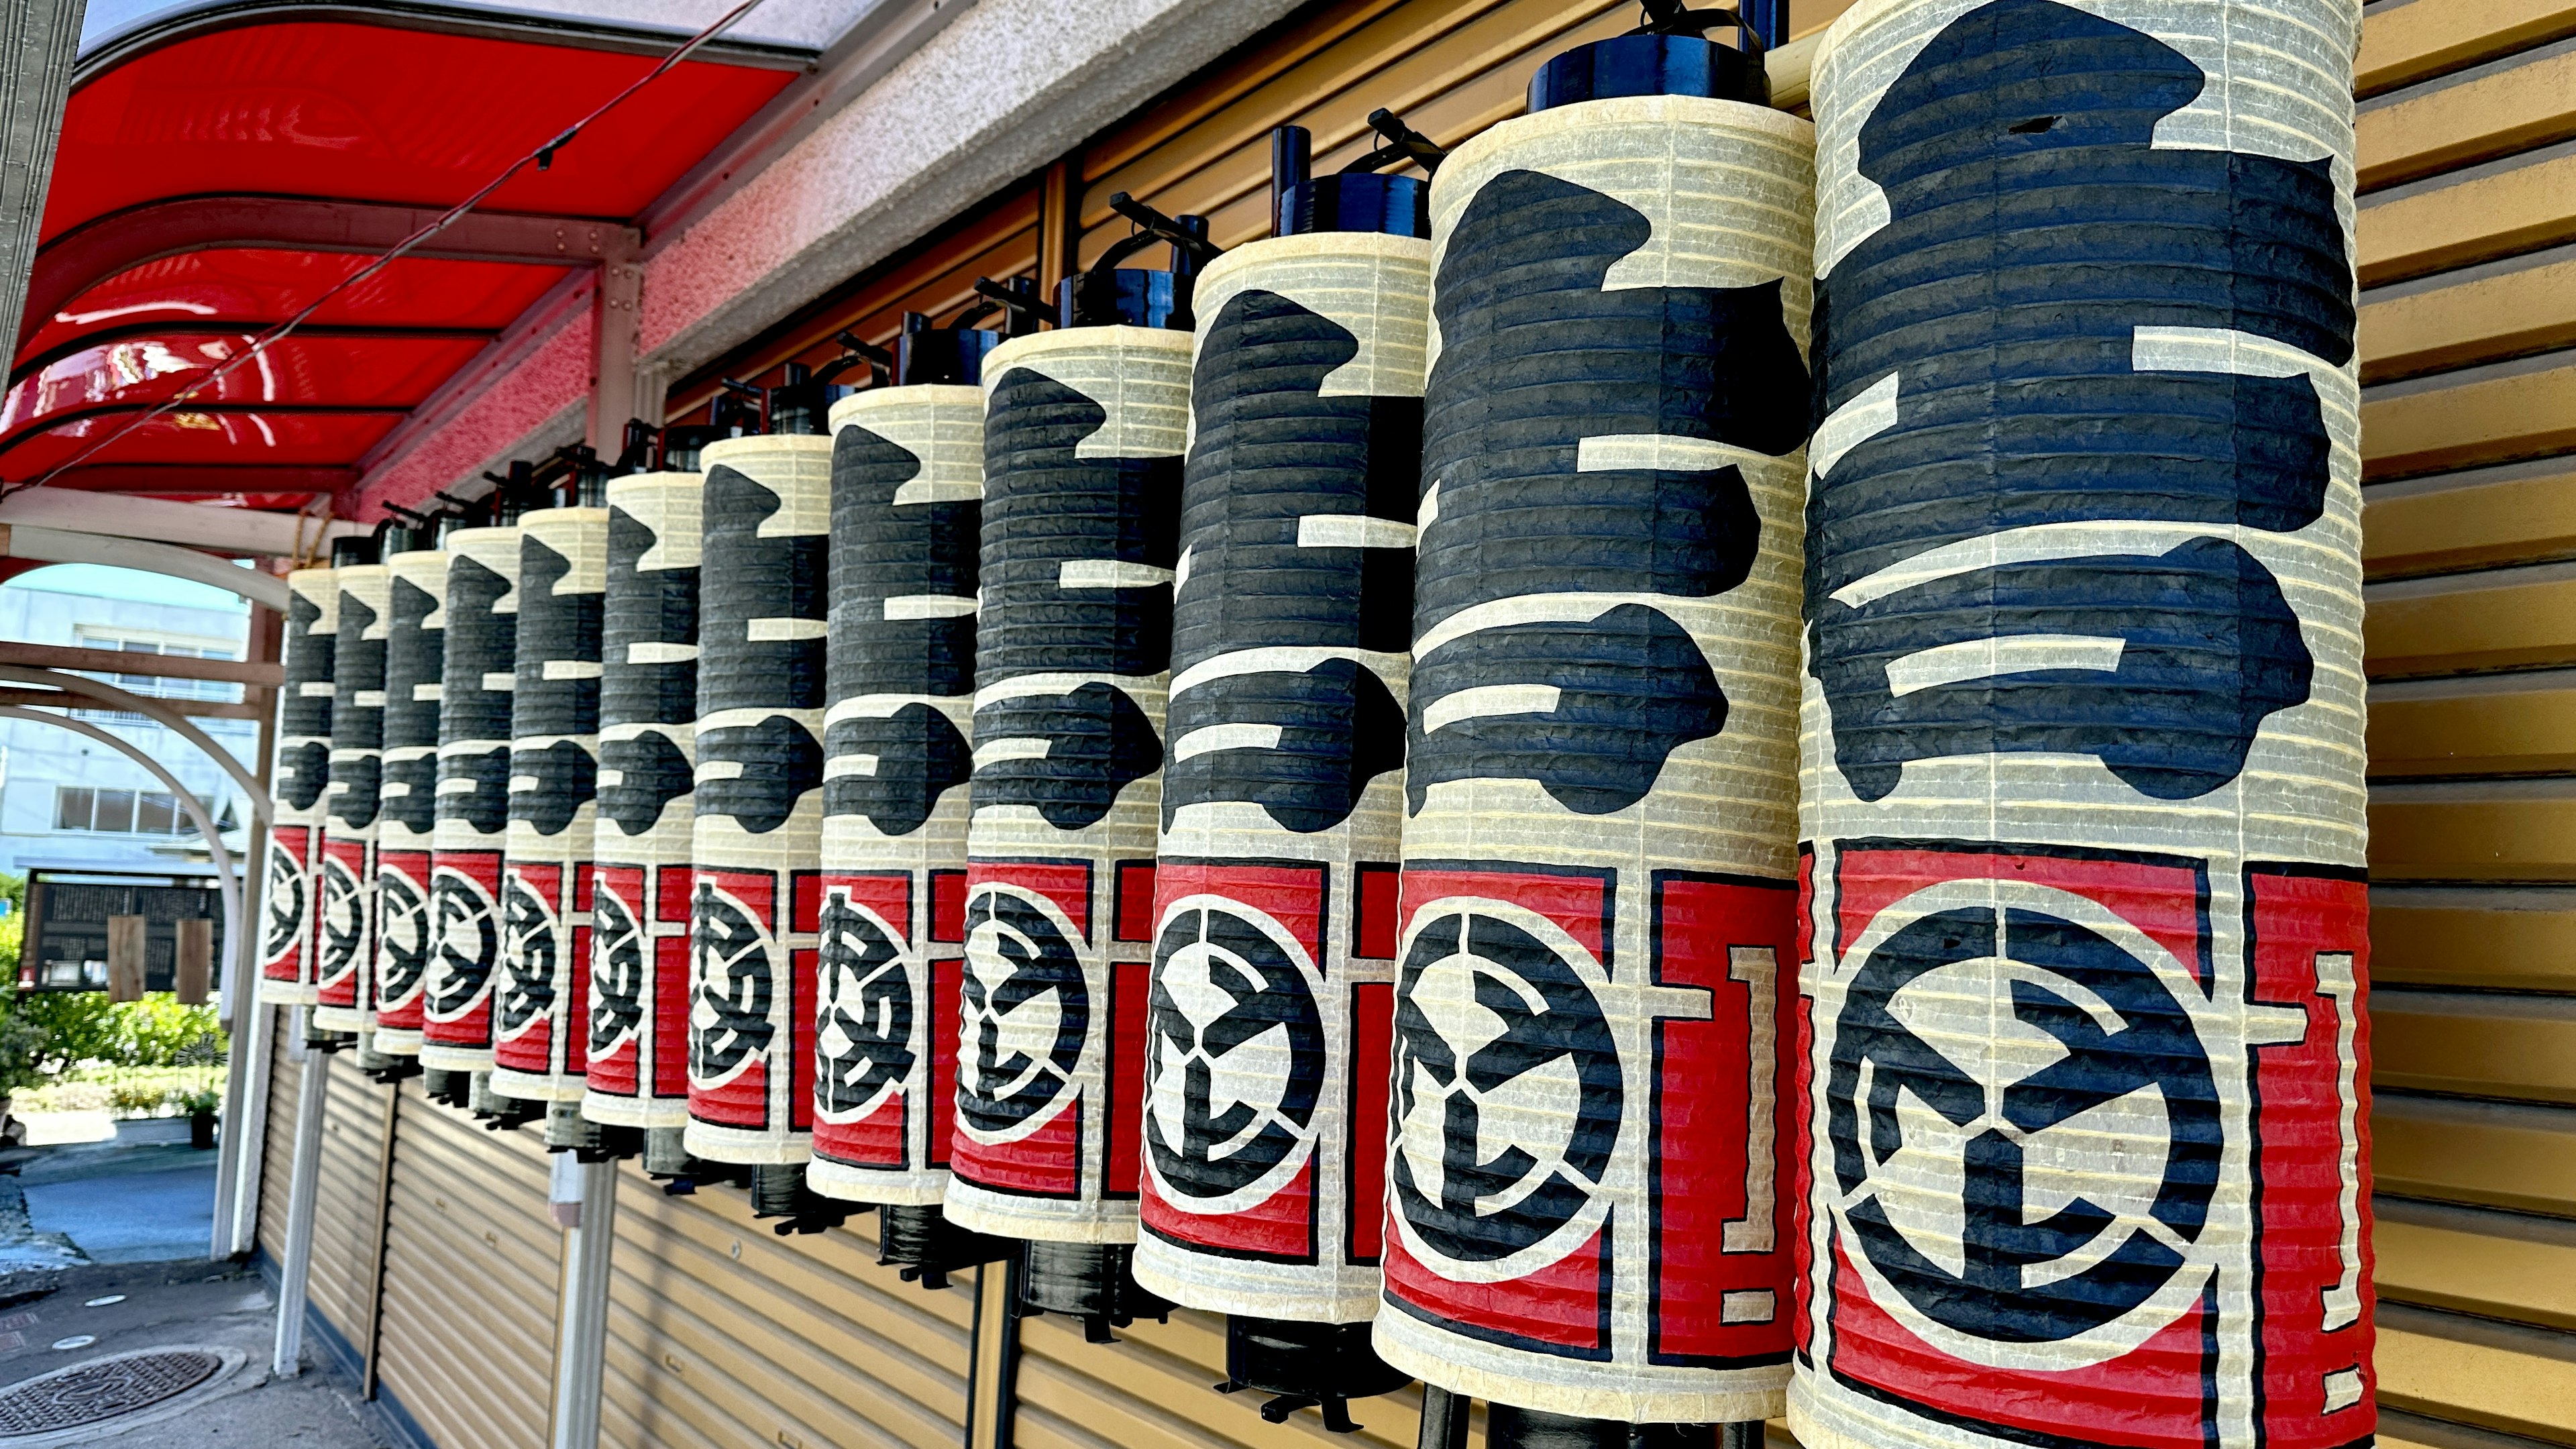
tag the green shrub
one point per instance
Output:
(126, 1091)
(84, 1028)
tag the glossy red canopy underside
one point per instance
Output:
(273, 115)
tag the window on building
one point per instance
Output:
(153, 686)
(125, 812)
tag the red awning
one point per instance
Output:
(214, 177)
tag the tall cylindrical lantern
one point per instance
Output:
(648, 711)
(1268, 1024)
(343, 990)
(473, 817)
(1595, 932)
(907, 491)
(1083, 433)
(757, 843)
(291, 890)
(415, 665)
(540, 1004)
(2085, 1117)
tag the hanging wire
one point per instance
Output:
(543, 158)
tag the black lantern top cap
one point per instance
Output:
(1357, 198)
(1108, 294)
(1668, 56)
(952, 355)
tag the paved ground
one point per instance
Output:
(120, 1204)
(129, 1221)
(215, 1305)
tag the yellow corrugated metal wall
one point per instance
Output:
(471, 1259)
(723, 1333)
(344, 1229)
(2469, 410)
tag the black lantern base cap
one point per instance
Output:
(446, 1088)
(501, 1114)
(778, 1190)
(1508, 1426)
(319, 1040)
(667, 1159)
(1650, 65)
(1320, 1366)
(927, 1247)
(1094, 1282)
(385, 1067)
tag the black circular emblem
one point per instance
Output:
(2024, 1126)
(729, 1019)
(344, 923)
(1507, 1085)
(284, 914)
(527, 989)
(1234, 1054)
(1026, 1013)
(617, 948)
(467, 939)
(863, 1037)
(402, 936)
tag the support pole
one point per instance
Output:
(581, 1333)
(242, 1140)
(312, 1099)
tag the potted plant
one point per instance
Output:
(201, 1107)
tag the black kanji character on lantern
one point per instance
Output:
(1282, 488)
(1588, 709)
(1317, 737)
(1069, 755)
(903, 610)
(2194, 648)
(1072, 545)
(1536, 356)
(2034, 225)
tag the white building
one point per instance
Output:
(68, 802)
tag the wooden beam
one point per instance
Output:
(160, 666)
(194, 708)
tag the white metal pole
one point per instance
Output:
(581, 1335)
(312, 1099)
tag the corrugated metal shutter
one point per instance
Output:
(2469, 407)
(722, 1332)
(344, 1217)
(1153, 1390)
(277, 1151)
(471, 1267)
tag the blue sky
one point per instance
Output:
(98, 581)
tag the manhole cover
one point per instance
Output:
(103, 1388)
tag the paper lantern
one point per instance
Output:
(1083, 434)
(907, 490)
(540, 1003)
(473, 816)
(2086, 1109)
(415, 663)
(1268, 1023)
(1599, 854)
(345, 944)
(638, 1068)
(758, 836)
(292, 881)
